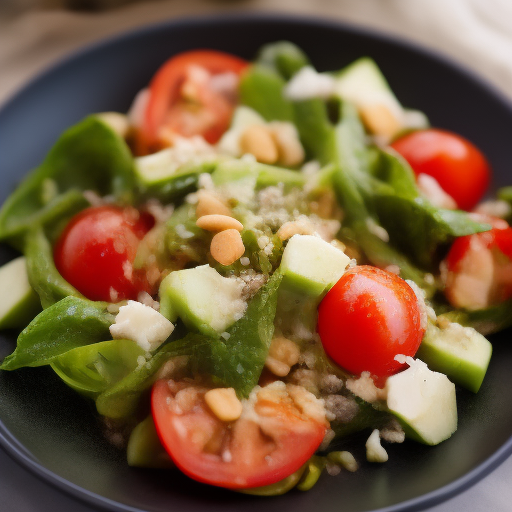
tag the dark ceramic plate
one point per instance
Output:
(55, 433)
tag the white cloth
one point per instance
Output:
(477, 33)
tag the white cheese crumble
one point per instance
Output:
(308, 83)
(374, 450)
(142, 324)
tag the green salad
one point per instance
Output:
(256, 262)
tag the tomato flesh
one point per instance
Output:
(458, 166)
(197, 108)
(236, 455)
(96, 250)
(367, 318)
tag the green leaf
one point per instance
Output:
(42, 273)
(92, 369)
(284, 57)
(69, 323)
(88, 156)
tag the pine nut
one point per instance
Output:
(258, 141)
(289, 148)
(208, 204)
(218, 223)
(295, 227)
(227, 247)
(380, 120)
(224, 403)
(282, 355)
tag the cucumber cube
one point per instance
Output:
(206, 301)
(311, 265)
(424, 402)
(461, 353)
(19, 303)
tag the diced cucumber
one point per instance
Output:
(461, 353)
(424, 403)
(202, 298)
(19, 303)
(144, 449)
(312, 265)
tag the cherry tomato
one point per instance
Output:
(96, 251)
(183, 101)
(459, 167)
(479, 267)
(367, 318)
(258, 449)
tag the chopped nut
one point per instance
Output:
(296, 227)
(227, 246)
(379, 119)
(286, 138)
(258, 141)
(208, 204)
(224, 403)
(218, 223)
(282, 355)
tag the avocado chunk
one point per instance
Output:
(19, 303)
(144, 449)
(311, 265)
(461, 353)
(423, 401)
(202, 298)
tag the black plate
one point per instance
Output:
(55, 433)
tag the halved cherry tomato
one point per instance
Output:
(479, 267)
(183, 101)
(96, 250)
(459, 167)
(367, 318)
(260, 448)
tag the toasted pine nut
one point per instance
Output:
(227, 246)
(379, 119)
(218, 223)
(224, 403)
(295, 227)
(277, 367)
(258, 141)
(282, 355)
(289, 148)
(208, 204)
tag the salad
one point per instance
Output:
(256, 263)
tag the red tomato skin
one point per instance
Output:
(459, 167)
(367, 318)
(245, 470)
(95, 251)
(165, 88)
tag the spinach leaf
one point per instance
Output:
(69, 323)
(92, 369)
(42, 273)
(283, 57)
(88, 156)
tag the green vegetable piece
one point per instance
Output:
(164, 176)
(42, 273)
(281, 487)
(461, 353)
(88, 156)
(69, 323)
(261, 88)
(18, 301)
(92, 369)
(122, 399)
(311, 265)
(202, 298)
(423, 402)
(144, 449)
(284, 57)
(314, 468)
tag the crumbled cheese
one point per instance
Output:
(365, 388)
(374, 450)
(426, 311)
(497, 208)
(308, 83)
(142, 324)
(431, 189)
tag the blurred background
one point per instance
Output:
(477, 33)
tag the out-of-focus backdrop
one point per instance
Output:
(35, 33)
